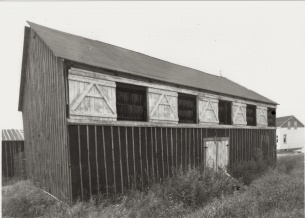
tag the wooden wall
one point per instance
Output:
(44, 120)
(109, 159)
(13, 159)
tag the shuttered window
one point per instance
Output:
(224, 112)
(295, 124)
(131, 102)
(187, 108)
(251, 115)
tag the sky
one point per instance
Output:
(260, 45)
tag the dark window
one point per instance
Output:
(271, 116)
(131, 102)
(187, 110)
(224, 112)
(251, 115)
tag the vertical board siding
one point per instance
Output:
(44, 120)
(13, 159)
(121, 158)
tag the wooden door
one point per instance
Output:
(211, 150)
(217, 153)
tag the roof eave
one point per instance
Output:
(23, 66)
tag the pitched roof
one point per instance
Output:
(281, 120)
(12, 135)
(103, 55)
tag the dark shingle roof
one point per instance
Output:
(12, 135)
(99, 54)
(281, 120)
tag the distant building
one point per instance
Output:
(13, 157)
(290, 133)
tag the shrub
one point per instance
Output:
(275, 194)
(248, 171)
(197, 187)
(24, 200)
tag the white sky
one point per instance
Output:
(260, 45)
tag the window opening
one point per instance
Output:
(131, 102)
(187, 108)
(224, 112)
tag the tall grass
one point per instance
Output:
(198, 193)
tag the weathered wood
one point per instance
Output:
(105, 162)
(96, 162)
(102, 76)
(134, 159)
(80, 163)
(163, 105)
(154, 124)
(121, 168)
(208, 110)
(146, 156)
(127, 161)
(239, 113)
(141, 167)
(113, 162)
(163, 174)
(156, 154)
(152, 156)
(89, 168)
(261, 116)
(44, 119)
(92, 98)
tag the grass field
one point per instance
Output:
(276, 193)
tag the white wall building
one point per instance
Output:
(290, 133)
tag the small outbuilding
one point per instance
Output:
(13, 156)
(290, 133)
(100, 119)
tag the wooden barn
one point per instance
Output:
(13, 156)
(100, 119)
(290, 133)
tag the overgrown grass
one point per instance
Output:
(198, 193)
(278, 193)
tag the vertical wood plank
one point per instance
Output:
(201, 147)
(194, 144)
(197, 145)
(96, 162)
(163, 176)
(167, 156)
(134, 162)
(121, 168)
(190, 143)
(148, 181)
(6, 151)
(172, 148)
(140, 148)
(181, 145)
(105, 162)
(80, 164)
(152, 155)
(88, 153)
(128, 179)
(113, 162)
(156, 154)
(186, 149)
(176, 148)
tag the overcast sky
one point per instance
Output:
(260, 45)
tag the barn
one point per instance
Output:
(100, 119)
(290, 133)
(13, 156)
